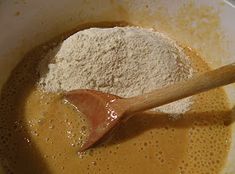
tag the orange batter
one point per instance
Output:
(39, 133)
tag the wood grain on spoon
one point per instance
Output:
(104, 111)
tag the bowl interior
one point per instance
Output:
(206, 26)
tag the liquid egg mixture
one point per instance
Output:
(41, 133)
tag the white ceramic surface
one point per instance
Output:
(205, 25)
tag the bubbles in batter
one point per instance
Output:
(37, 128)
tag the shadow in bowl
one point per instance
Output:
(143, 122)
(17, 149)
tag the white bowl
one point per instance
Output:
(207, 26)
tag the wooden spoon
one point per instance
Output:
(104, 111)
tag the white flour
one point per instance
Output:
(125, 61)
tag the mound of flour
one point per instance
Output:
(125, 61)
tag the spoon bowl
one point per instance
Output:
(99, 110)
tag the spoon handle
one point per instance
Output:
(200, 83)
